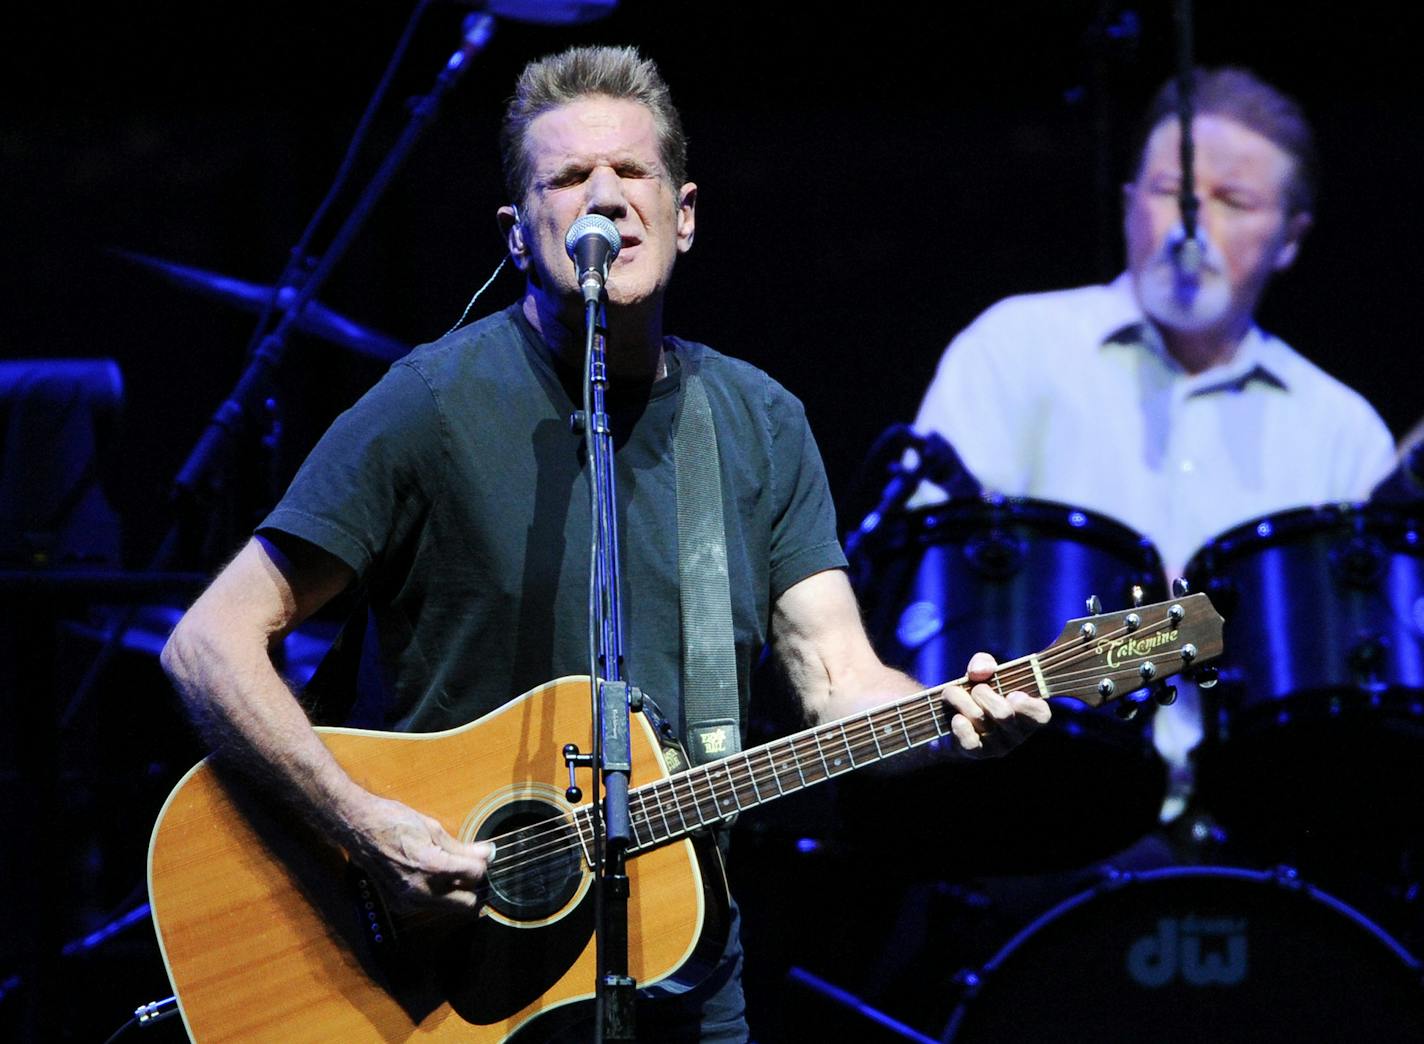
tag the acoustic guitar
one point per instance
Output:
(270, 933)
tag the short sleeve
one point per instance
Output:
(803, 536)
(368, 482)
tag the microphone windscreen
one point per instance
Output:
(595, 225)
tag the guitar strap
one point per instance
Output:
(711, 704)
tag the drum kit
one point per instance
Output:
(1311, 760)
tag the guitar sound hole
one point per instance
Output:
(537, 870)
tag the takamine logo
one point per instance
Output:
(1119, 649)
(1201, 951)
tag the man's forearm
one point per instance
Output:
(252, 721)
(865, 690)
(219, 662)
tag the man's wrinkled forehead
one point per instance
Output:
(1244, 151)
(620, 130)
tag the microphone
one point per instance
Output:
(936, 461)
(1188, 255)
(592, 242)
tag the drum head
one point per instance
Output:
(1197, 955)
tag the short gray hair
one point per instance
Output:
(559, 79)
(1242, 96)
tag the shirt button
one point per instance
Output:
(1188, 467)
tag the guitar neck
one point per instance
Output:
(1095, 659)
(711, 794)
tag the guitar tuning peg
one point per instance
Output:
(1137, 596)
(1180, 587)
(1126, 710)
(1165, 695)
(1094, 606)
(1205, 677)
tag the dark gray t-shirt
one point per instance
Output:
(458, 493)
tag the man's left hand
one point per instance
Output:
(987, 723)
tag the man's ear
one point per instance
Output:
(512, 228)
(686, 217)
(1296, 228)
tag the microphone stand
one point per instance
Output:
(1187, 194)
(252, 387)
(245, 403)
(611, 699)
(935, 461)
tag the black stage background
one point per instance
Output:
(868, 183)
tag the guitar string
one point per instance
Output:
(917, 714)
(859, 738)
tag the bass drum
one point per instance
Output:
(1005, 576)
(1313, 744)
(1191, 955)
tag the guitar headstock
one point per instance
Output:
(1101, 657)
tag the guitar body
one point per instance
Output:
(270, 934)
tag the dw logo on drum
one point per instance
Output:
(1201, 951)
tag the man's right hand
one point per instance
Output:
(218, 658)
(416, 863)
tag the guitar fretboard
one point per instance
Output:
(673, 808)
(1095, 659)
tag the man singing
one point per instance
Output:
(454, 493)
(1157, 399)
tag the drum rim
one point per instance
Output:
(1244, 536)
(1278, 878)
(919, 523)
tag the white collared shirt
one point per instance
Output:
(1071, 396)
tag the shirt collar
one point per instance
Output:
(1259, 357)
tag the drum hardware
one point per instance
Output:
(849, 1002)
(996, 555)
(1359, 562)
(1366, 657)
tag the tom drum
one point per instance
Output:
(1005, 575)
